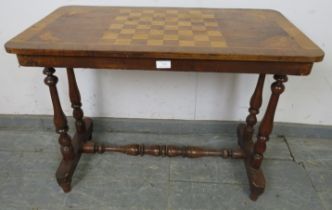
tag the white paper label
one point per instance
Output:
(163, 64)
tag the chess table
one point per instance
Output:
(261, 42)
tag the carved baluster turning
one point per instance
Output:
(60, 120)
(75, 99)
(163, 150)
(266, 125)
(255, 104)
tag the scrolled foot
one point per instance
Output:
(256, 181)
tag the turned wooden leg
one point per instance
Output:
(251, 120)
(60, 123)
(266, 125)
(255, 174)
(60, 120)
(254, 152)
(75, 99)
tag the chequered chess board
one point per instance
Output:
(164, 28)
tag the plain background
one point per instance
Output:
(165, 95)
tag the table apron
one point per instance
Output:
(286, 68)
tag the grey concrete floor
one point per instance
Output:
(298, 174)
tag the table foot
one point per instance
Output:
(67, 168)
(255, 176)
(65, 172)
(256, 181)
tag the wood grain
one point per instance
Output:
(290, 68)
(217, 34)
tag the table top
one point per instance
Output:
(184, 33)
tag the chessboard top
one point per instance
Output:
(186, 33)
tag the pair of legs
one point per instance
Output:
(252, 153)
(70, 147)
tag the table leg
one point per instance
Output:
(254, 152)
(266, 125)
(61, 126)
(251, 120)
(70, 148)
(60, 120)
(76, 104)
(84, 127)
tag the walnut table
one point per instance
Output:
(168, 39)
